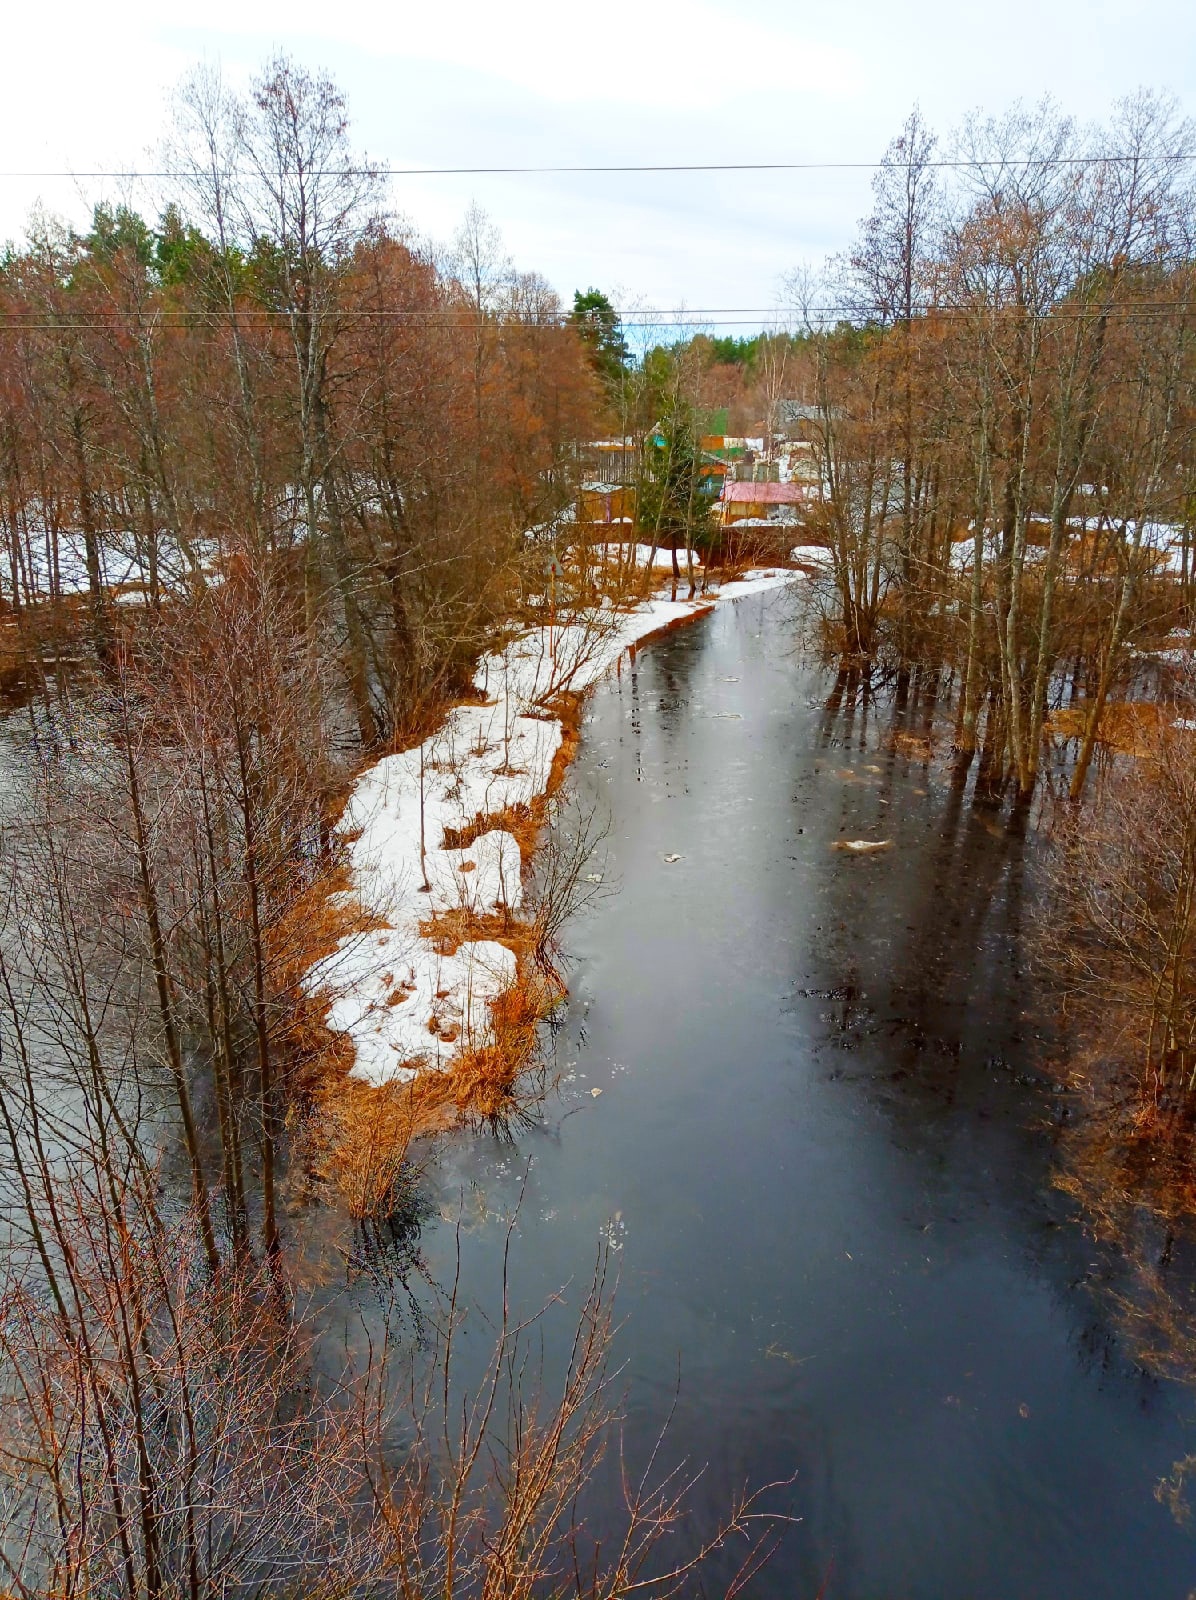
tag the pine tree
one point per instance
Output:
(601, 332)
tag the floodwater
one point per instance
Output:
(822, 1156)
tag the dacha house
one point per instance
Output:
(762, 502)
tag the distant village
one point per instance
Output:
(758, 490)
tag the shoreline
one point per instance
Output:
(436, 842)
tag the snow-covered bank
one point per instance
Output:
(641, 555)
(403, 1005)
(812, 555)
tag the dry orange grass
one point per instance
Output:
(357, 1138)
(447, 931)
(482, 1079)
(515, 819)
(351, 1136)
(1130, 727)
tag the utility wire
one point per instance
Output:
(1013, 163)
(822, 322)
(649, 314)
(682, 315)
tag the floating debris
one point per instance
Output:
(670, 859)
(862, 847)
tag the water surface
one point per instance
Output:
(823, 1152)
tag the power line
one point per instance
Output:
(975, 163)
(634, 315)
(469, 313)
(682, 318)
(445, 314)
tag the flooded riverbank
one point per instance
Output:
(823, 1154)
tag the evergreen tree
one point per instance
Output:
(675, 500)
(597, 322)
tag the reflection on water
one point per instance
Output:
(823, 1152)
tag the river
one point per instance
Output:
(823, 1154)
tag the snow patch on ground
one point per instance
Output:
(403, 1006)
(811, 555)
(643, 555)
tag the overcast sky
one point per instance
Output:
(87, 86)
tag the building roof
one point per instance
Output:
(764, 494)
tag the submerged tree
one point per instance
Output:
(984, 512)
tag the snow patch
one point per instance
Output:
(643, 555)
(404, 1006)
(811, 555)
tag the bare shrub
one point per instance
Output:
(1121, 935)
